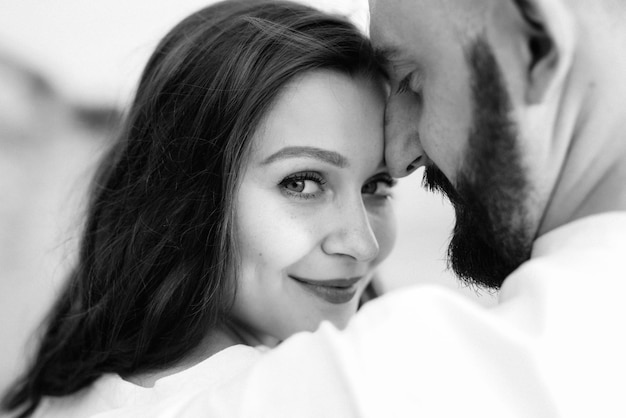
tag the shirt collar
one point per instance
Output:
(606, 229)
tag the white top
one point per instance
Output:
(111, 392)
(554, 346)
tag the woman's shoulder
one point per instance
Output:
(91, 400)
(111, 391)
(218, 368)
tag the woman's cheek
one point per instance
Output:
(383, 223)
(283, 235)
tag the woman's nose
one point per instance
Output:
(403, 150)
(351, 234)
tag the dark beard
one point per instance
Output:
(492, 234)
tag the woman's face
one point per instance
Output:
(313, 211)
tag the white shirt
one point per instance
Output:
(112, 393)
(554, 346)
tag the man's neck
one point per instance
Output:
(593, 177)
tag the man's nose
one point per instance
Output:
(403, 149)
(351, 233)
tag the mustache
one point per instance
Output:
(435, 181)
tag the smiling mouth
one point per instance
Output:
(335, 291)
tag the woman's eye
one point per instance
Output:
(370, 188)
(380, 185)
(303, 185)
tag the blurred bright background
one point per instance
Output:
(67, 69)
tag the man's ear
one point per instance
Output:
(551, 38)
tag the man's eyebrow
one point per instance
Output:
(330, 157)
(387, 55)
(387, 52)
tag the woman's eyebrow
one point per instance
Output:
(330, 157)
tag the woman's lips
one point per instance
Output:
(335, 291)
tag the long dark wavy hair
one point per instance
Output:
(157, 255)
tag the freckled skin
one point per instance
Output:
(337, 232)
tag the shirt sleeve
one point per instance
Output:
(422, 351)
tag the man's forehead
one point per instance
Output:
(402, 18)
(406, 29)
(430, 13)
(391, 30)
(373, 4)
(384, 24)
